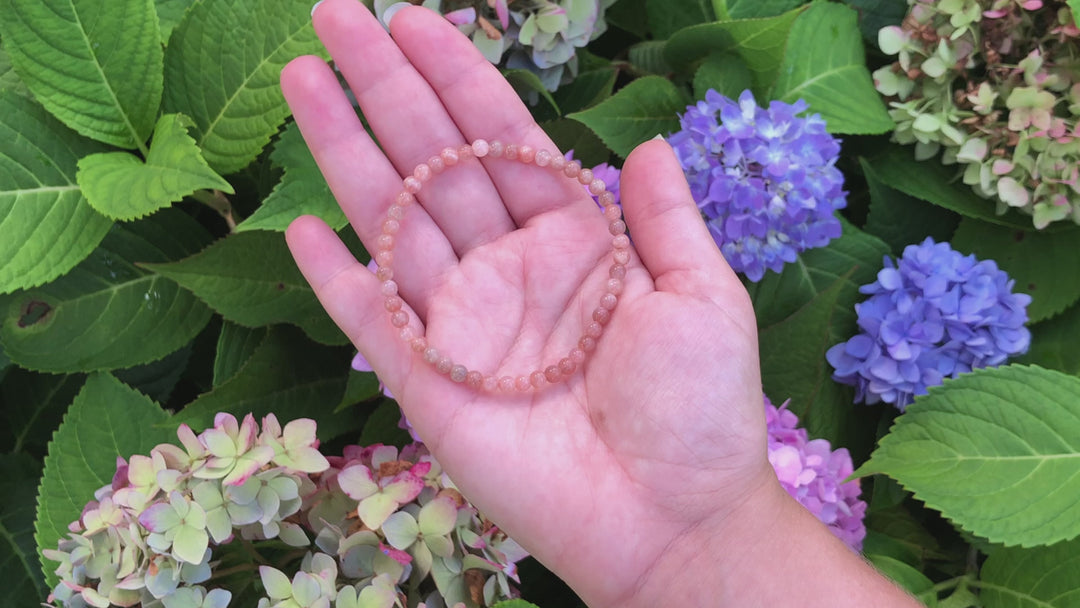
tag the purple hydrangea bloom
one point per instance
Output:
(609, 174)
(813, 474)
(765, 180)
(933, 315)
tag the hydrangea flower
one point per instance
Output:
(933, 315)
(813, 474)
(765, 180)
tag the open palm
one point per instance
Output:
(662, 429)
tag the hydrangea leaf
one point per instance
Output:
(158, 379)
(1054, 344)
(169, 13)
(587, 90)
(251, 279)
(24, 584)
(36, 405)
(287, 375)
(793, 367)
(527, 84)
(936, 183)
(669, 16)
(751, 9)
(997, 451)
(876, 14)
(222, 67)
(301, 191)
(382, 426)
(47, 225)
(9, 80)
(107, 419)
(824, 64)
(236, 344)
(648, 56)
(910, 579)
(122, 186)
(759, 42)
(641, 110)
(94, 64)
(725, 73)
(1074, 6)
(900, 219)
(572, 135)
(98, 316)
(1044, 577)
(1033, 259)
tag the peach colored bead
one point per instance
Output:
(465, 152)
(621, 256)
(449, 156)
(543, 158)
(587, 344)
(567, 366)
(418, 344)
(617, 271)
(621, 241)
(576, 356)
(384, 273)
(617, 227)
(612, 213)
(385, 241)
(597, 187)
(399, 319)
(510, 152)
(474, 379)
(412, 185)
(444, 365)
(522, 383)
(405, 199)
(407, 334)
(601, 315)
(606, 198)
(614, 286)
(458, 373)
(609, 300)
(552, 373)
(526, 154)
(396, 212)
(585, 177)
(490, 383)
(436, 163)
(481, 148)
(594, 330)
(422, 172)
(537, 379)
(506, 384)
(384, 258)
(572, 169)
(393, 304)
(388, 288)
(497, 149)
(391, 226)
(558, 162)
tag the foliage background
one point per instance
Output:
(148, 168)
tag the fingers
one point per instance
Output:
(668, 232)
(361, 178)
(483, 105)
(410, 122)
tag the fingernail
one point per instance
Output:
(660, 137)
(315, 7)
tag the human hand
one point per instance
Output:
(660, 437)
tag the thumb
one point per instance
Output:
(669, 234)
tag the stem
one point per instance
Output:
(250, 549)
(216, 200)
(227, 571)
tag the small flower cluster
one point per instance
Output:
(994, 83)
(813, 474)
(388, 528)
(765, 180)
(933, 315)
(541, 36)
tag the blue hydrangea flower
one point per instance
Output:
(765, 180)
(933, 315)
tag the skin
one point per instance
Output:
(643, 479)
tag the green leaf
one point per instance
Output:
(9, 80)
(648, 56)
(24, 584)
(106, 420)
(751, 9)
(121, 186)
(997, 451)
(382, 426)
(629, 16)
(35, 405)
(587, 90)
(876, 14)
(931, 181)
(236, 344)
(95, 64)
(288, 376)
(793, 367)
(1074, 6)
(669, 16)
(47, 225)
(572, 135)
(900, 219)
(99, 316)
(724, 73)
(157, 379)
(301, 191)
(759, 42)
(515, 604)
(1033, 259)
(1054, 344)
(644, 108)
(910, 579)
(251, 279)
(528, 85)
(824, 64)
(222, 67)
(1046, 577)
(169, 13)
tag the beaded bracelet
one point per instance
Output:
(384, 257)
